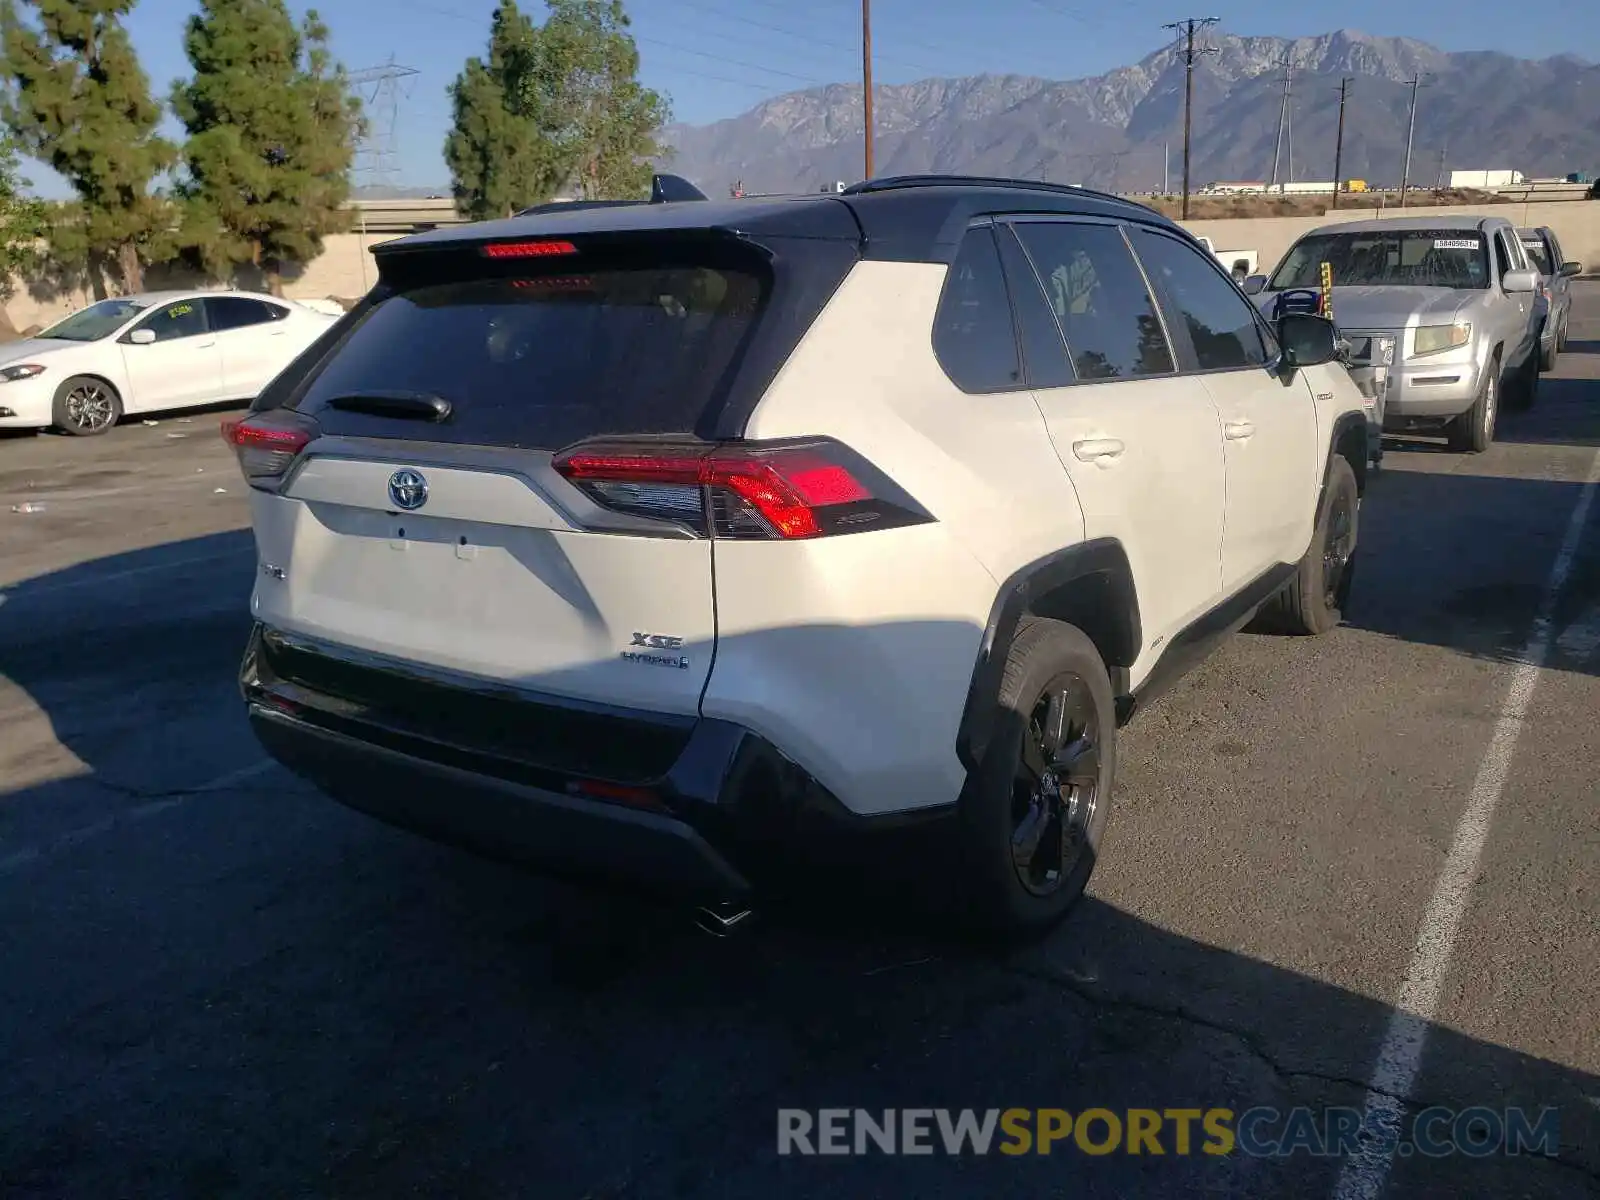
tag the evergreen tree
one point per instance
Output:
(496, 159)
(80, 102)
(577, 80)
(22, 221)
(272, 130)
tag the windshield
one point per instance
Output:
(1449, 258)
(1537, 254)
(95, 322)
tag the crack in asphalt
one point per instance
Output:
(1253, 1045)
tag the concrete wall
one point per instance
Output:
(344, 271)
(1576, 222)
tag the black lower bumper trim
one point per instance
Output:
(560, 835)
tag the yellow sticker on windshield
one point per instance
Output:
(180, 310)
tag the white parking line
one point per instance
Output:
(1400, 1057)
(14, 862)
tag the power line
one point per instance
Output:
(805, 37)
(1186, 30)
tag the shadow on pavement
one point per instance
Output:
(257, 992)
(1462, 561)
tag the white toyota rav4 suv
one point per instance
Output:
(667, 544)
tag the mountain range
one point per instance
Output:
(1123, 130)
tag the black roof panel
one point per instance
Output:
(909, 219)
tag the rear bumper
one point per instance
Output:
(703, 810)
(567, 836)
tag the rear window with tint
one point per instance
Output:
(549, 359)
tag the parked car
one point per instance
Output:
(154, 351)
(1453, 300)
(660, 544)
(1544, 253)
(1241, 264)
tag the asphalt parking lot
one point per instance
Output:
(215, 983)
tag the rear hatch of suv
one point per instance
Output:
(491, 472)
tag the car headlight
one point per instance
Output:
(1434, 339)
(18, 371)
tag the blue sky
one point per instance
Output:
(717, 58)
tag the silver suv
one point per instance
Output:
(1451, 303)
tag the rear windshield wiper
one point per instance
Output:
(415, 406)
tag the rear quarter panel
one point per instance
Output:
(854, 653)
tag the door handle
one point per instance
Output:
(205, 345)
(1238, 431)
(1095, 449)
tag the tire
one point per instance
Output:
(85, 406)
(1473, 431)
(1547, 356)
(1313, 601)
(1060, 812)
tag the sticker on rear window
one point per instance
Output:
(1455, 243)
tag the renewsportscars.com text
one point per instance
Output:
(1335, 1132)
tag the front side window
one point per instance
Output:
(1223, 330)
(1099, 298)
(181, 319)
(973, 336)
(1450, 258)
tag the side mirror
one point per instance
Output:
(1307, 340)
(1518, 282)
(142, 337)
(1569, 269)
(1254, 285)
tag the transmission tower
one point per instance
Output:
(381, 89)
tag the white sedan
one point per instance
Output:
(151, 352)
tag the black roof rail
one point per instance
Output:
(893, 183)
(664, 189)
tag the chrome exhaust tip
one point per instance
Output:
(723, 920)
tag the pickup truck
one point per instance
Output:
(1241, 264)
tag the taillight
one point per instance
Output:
(267, 444)
(784, 491)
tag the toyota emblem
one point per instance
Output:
(408, 489)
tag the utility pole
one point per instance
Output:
(1284, 120)
(1186, 28)
(1166, 168)
(866, 78)
(1338, 141)
(1411, 129)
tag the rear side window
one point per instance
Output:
(973, 337)
(237, 312)
(1100, 299)
(1222, 327)
(542, 359)
(1538, 256)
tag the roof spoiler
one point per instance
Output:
(664, 189)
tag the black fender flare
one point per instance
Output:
(1348, 428)
(1089, 585)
